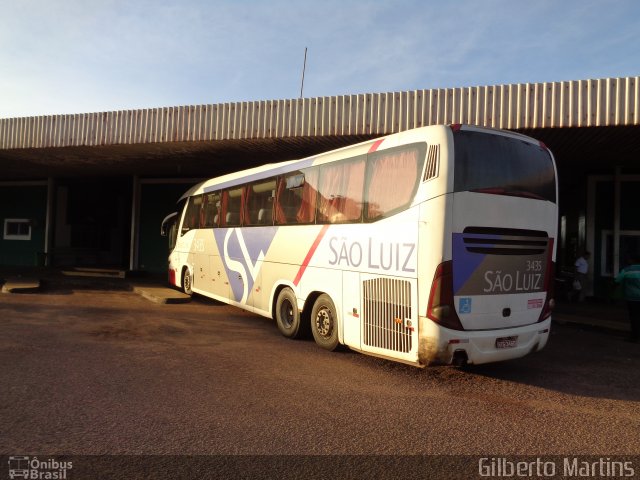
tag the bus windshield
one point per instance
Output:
(502, 165)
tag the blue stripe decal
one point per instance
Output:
(464, 263)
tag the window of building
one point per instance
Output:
(629, 248)
(17, 229)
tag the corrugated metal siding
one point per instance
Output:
(581, 103)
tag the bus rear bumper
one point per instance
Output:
(440, 345)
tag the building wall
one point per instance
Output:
(92, 222)
(30, 202)
(156, 202)
(573, 201)
(603, 222)
(23, 202)
(603, 216)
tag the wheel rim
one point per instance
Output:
(187, 281)
(286, 313)
(324, 322)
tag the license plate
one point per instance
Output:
(506, 342)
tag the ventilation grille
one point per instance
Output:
(504, 241)
(387, 314)
(433, 163)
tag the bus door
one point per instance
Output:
(201, 262)
(217, 282)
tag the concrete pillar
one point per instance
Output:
(49, 222)
(135, 224)
(616, 220)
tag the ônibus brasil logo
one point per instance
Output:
(33, 468)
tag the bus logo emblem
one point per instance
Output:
(243, 257)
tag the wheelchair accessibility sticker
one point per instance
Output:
(465, 305)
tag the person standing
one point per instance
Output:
(580, 279)
(629, 278)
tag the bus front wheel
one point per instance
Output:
(324, 323)
(186, 282)
(288, 314)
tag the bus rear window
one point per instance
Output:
(502, 165)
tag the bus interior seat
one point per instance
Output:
(264, 216)
(232, 218)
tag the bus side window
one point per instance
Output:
(231, 207)
(259, 203)
(192, 215)
(210, 210)
(287, 198)
(203, 207)
(296, 198)
(392, 179)
(341, 186)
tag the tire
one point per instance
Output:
(324, 323)
(187, 282)
(287, 314)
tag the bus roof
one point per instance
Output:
(265, 171)
(236, 178)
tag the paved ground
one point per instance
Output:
(92, 372)
(109, 372)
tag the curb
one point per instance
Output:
(162, 295)
(21, 285)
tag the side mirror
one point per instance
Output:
(166, 223)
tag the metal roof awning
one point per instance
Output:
(579, 120)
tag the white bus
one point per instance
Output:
(434, 245)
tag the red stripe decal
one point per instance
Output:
(375, 145)
(310, 253)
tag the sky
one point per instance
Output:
(80, 56)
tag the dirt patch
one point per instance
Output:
(135, 330)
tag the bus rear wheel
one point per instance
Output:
(186, 282)
(288, 315)
(324, 323)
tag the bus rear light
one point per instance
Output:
(441, 308)
(455, 127)
(547, 309)
(456, 341)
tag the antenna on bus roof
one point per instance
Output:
(304, 66)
